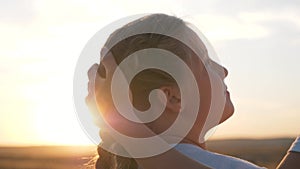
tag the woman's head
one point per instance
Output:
(123, 42)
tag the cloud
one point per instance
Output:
(234, 7)
(16, 11)
(247, 24)
(218, 27)
(290, 16)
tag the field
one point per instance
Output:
(267, 153)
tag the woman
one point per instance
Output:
(170, 34)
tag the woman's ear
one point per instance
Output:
(173, 102)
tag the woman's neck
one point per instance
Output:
(188, 141)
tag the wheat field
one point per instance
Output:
(267, 153)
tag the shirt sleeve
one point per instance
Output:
(295, 147)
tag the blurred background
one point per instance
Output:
(257, 41)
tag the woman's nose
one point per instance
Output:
(225, 72)
(222, 71)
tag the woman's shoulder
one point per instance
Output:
(214, 160)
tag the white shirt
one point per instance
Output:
(295, 147)
(214, 160)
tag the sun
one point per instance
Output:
(53, 115)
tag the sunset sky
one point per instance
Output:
(257, 41)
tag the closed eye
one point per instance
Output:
(101, 71)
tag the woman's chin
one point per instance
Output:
(228, 112)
